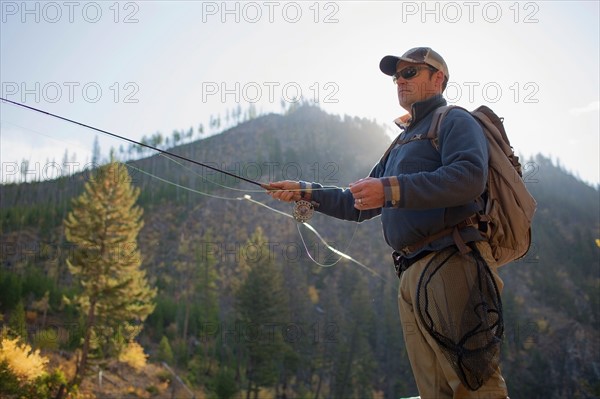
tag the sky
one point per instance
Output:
(139, 67)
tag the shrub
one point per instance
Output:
(134, 356)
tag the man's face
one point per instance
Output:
(419, 87)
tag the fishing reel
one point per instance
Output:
(303, 211)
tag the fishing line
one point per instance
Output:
(179, 185)
(307, 225)
(332, 249)
(247, 197)
(135, 142)
(130, 166)
(62, 141)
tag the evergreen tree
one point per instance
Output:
(96, 153)
(194, 283)
(224, 384)
(354, 365)
(65, 162)
(24, 169)
(11, 291)
(43, 305)
(115, 295)
(261, 303)
(197, 281)
(17, 323)
(165, 353)
(207, 296)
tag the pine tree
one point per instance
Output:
(115, 295)
(43, 305)
(17, 323)
(354, 364)
(261, 303)
(208, 296)
(197, 281)
(96, 153)
(198, 290)
(165, 353)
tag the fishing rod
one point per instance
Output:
(246, 197)
(256, 183)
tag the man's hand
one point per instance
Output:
(285, 190)
(368, 193)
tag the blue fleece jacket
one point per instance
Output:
(426, 189)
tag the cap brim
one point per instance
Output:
(389, 62)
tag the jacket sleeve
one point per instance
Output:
(462, 176)
(339, 202)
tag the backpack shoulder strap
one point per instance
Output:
(436, 121)
(390, 148)
(432, 133)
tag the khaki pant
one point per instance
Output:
(433, 373)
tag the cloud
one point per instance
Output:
(591, 107)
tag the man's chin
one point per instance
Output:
(405, 102)
(405, 97)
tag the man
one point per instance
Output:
(427, 192)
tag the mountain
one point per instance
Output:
(340, 326)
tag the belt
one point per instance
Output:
(402, 263)
(471, 221)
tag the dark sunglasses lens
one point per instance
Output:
(408, 73)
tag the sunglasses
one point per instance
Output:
(410, 72)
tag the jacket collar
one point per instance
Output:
(419, 111)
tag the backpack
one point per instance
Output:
(509, 207)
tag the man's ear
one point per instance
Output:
(439, 79)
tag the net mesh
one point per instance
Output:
(459, 305)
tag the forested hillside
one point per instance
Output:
(250, 304)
